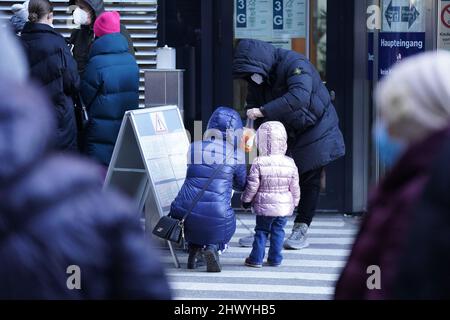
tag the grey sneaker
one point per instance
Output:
(247, 242)
(297, 240)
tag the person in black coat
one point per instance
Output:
(54, 216)
(53, 66)
(284, 86)
(424, 269)
(82, 38)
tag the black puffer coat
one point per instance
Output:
(82, 38)
(52, 65)
(54, 214)
(293, 94)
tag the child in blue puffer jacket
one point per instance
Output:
(212, 222)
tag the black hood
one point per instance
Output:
(97, 5)
(253, 56)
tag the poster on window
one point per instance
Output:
(404, 16)
(289, 18)
(276, 19)
(252, 18)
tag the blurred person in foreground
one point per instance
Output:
(413, 102)
(424, 270)
(54, 214)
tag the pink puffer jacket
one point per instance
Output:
(273, 183)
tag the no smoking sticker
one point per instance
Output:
(445, 16)
(443, 41)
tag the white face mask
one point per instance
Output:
(257, 78)
(80, 16)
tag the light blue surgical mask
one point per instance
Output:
(391, 149)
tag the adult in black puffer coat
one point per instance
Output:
(284, 86)
(54, 214)
(53, 66)
(82, 38)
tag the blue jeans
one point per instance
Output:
(264, 227)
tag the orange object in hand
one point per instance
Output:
(249, 136)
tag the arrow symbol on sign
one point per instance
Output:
(392, 14)
(410, 14)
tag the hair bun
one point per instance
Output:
(33, 17)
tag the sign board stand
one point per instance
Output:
(149, 161)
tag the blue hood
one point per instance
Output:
(109, 44)
(224, 119)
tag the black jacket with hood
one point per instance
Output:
(293, 94)
(82, 38)
(54, 68)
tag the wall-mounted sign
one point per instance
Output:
(393, 47)
(403, 16)
(444, 25)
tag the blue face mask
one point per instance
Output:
(390, 148)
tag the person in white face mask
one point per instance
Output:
(84, 15)
(53, 67)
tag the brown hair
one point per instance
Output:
(38, 9)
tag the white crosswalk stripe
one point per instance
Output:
(251, 288)
(310, 273)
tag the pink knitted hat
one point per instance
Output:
(106, 23)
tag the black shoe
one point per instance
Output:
(212, 259)
(195, 258)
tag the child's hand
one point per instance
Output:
(246, 205)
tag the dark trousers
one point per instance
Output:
(265, 226)
(310, 191)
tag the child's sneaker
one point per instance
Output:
(249, 263)
(273, 265)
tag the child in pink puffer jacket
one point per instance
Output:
(272, 191)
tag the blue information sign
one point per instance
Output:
(395, 46)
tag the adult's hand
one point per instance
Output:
(254, 114)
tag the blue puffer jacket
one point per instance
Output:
(109, 87)
(212, 220)
(293, 94)
(54, 214)
(53, 66)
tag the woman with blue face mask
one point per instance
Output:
(414, 106)
(390, 148)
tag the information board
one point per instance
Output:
(149, 161)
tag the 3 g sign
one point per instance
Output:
(278, 14)
(241, 13)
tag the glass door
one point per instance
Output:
(298, 25)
